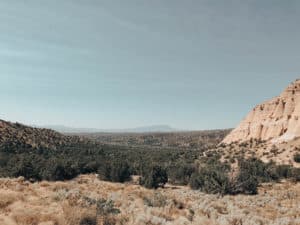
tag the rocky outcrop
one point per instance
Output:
(277, 120)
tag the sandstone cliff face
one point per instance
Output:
(277, 120)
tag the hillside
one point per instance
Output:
(21, 136)
(16, 134)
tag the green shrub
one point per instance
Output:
(284, 171)
(155, 177)
(263, 172)
(295, 174)
(210, 179)
(3, 159)
(60, 169)
(88, 221)
(244, 183)
(115, 172)
(26, 167)
(88, 167)
(180, 174)
(196, 181)
(297, 158)
(214, 179)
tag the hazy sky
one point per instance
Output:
(192, 64)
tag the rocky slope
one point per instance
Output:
(275, 121)
(16, 134)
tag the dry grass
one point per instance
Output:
(67, 203)
(281, 153)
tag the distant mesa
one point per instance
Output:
(276, 121)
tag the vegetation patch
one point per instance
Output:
(297, 157)
(154, 177)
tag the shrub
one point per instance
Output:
(244, 183)
(115, 172)
(196, 182)
(157, 200)
(284, 171)
(232, 160)
(88, 167)
(105, 211)
(214, 179)
(88, 221)
(109, 221)
(106, 207)
(211, 180)
(26, 167)
(180, 174)
(295, 174)
(297, 157)
(155, 177)
(263, 172)
(3, 159)
(60, 169)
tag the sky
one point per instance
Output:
(192, 64)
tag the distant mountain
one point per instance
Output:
(65, 129)
(146, 129)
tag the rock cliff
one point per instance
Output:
(277, 120)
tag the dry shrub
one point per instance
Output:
(27, 219)
(44, 184)
(74, 215)
(236, 221)
(297, 157)
(60, 185)
(60, 195)
(9, 197)
(178, 204)
(108, 220)
(220, 208)
(112, 220)
(33, 215)
(155, 200)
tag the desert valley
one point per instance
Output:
(246, 176)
